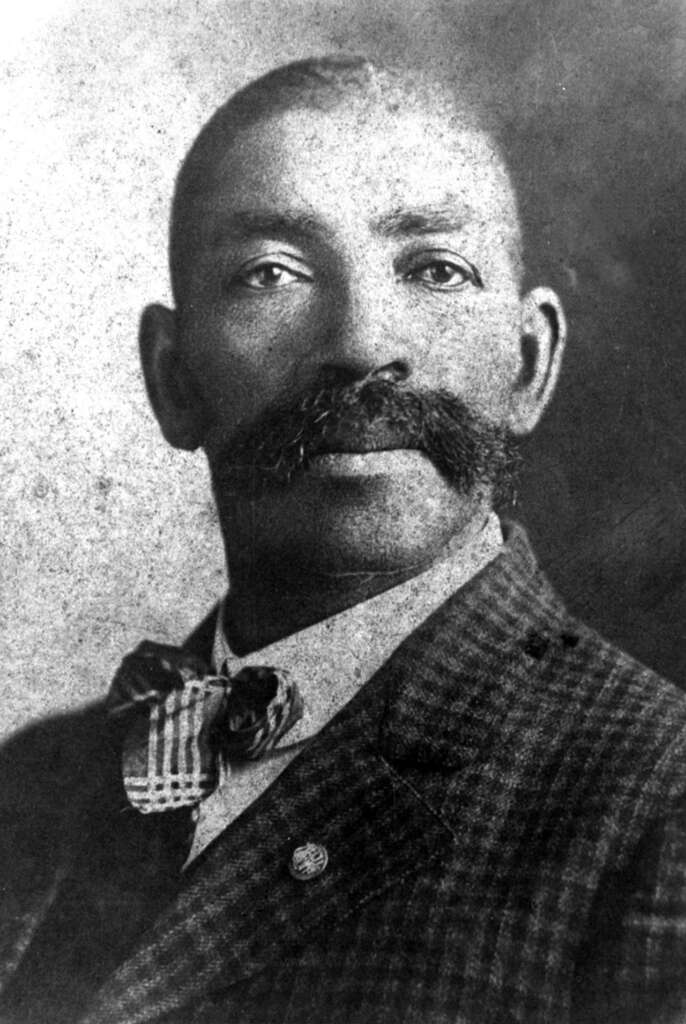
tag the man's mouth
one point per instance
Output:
(350, 450)
(375, 462)
(368, 450)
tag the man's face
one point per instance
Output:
(336, 246)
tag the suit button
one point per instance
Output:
(308, 861)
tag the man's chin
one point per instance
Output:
(370, 512)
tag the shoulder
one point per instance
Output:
(604, 695)
(572, 722)
(62, 761)
(53, 764)
(600, 738)
(50, 773)
(591, 694)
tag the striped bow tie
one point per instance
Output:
(187, 724)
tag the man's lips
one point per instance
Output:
(377, 462)
(359, 448)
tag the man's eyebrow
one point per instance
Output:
(252, 223)
(420, 220)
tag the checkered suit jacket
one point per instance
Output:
(504, 808)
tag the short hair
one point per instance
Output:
(319, 83)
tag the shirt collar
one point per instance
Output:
(331, 659)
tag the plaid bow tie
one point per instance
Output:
(188, 724)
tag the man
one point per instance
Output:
(389, 779)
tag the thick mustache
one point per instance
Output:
(369, 415)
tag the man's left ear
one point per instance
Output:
(542, 341)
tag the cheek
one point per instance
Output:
(475, 355)
(241, 365)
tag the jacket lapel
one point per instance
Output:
(240, 908)
(362, 789)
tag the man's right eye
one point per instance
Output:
(268, 276)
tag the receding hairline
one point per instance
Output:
(322, 83)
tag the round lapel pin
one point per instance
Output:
(308, 861)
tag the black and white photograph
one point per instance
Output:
(343, 550)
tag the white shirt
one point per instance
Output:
(330, 661)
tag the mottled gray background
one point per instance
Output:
(107, 535)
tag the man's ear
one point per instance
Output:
(543, 336)
(171, 389)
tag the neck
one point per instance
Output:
(265, 606)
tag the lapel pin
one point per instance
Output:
(308, 861)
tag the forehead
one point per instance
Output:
(357, 160)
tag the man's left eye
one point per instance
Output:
(445, 274)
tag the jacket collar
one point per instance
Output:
(453, 679)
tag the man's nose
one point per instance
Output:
(362, 336)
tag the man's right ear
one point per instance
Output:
(171, 389)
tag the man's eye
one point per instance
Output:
(268, 276)
(446, 275)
